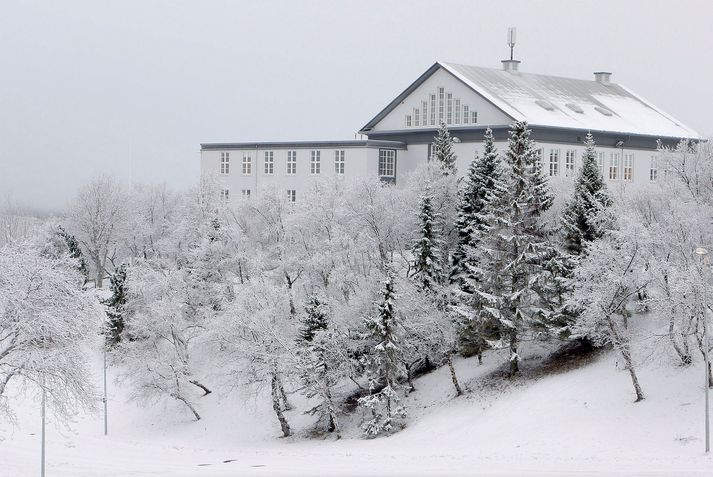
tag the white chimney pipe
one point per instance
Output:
(603, 77)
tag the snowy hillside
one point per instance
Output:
(582, 420)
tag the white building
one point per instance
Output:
(469, 99)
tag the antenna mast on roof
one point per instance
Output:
(512, 33)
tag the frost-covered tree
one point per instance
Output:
(479, 184)
(586, 217)
(443, 151)
(384, 365)
(320, 361)
(74, 250)
(98, 218)
(45, 319)
(426, 263)
(607, 281)
(115, 306)
(511, 258)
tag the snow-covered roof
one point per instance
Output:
(554, 101)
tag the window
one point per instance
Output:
(291, 195)
(225, 163)
(246, 193)
(416, 117)
(339, 162)
(408, 120)
(614, 166)
(225, 195)
(314, 163)
(466, 119)
(292, 162)
(441, 104)
(433, 109)
(569, 162)
(653, 170)
(600, 162)
(424, 109)
(538, 158)
(269, 162)
(449, 110)
(474, 117)
(247, 164)
(554, 162)
(429, 154)
(457, 111)
(387, 163)
(628, 167)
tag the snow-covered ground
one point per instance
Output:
(579, 422)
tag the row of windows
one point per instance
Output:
(616, 168)
(315, 165)
(225, 194)
(441, 108)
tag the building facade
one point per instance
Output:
(468, 99)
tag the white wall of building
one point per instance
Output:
(487, 113)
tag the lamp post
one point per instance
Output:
(703, 253)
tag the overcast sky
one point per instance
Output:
(132, 88)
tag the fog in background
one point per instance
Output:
(132, 88)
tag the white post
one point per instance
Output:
(105, 396)
(703, 253)
(44, 399)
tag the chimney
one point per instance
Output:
(603, 77)
(510, 65)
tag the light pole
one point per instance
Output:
(44, 418)
(703, 253)
(105, 396)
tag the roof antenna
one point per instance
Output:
(512, 33)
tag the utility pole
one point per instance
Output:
(44, 415)
(703, 253)
(105, 396)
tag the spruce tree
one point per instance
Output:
(584, 218)
(317, 364)
(443, 150)
(479, 183)
(426, 267)
(115, 306)
(74, 251)
(384, 365)
(511, 261)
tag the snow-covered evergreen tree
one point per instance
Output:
(478, 184)
(511, 259)
(115, 306)
(384, 365)
(319, 361)
(74, 250)
(585, 218)
(426, 263)
(443, 150)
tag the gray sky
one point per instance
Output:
(132, 87)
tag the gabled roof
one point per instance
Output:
(553, 101)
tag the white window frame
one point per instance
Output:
(291, 195)
(339, 162)
(225, 163)
(466, 114)
(291, 163)
(225, 195)
(433, 110)
(614, 164)
(653, 169)
(600, 162)
(628, 167)
(554, 163)
(387, 163)
(474, 117)
(569, 161)
(441, 104)
(408, 121)
(246, 193)
(457, 108)
(269, 167)
(315, 162)
(424, 111)
(247, 164)
(449, 108)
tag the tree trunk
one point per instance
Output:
(278, 408)
(454, 378)
(622, 344)
(188, 405)
(206, 391)
(514, 358)
(283, 396)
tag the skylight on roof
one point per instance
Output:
(545, 104)
(604, 111)
(575, 107)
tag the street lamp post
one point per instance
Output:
(703, 253)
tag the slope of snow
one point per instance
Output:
(583, 421)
